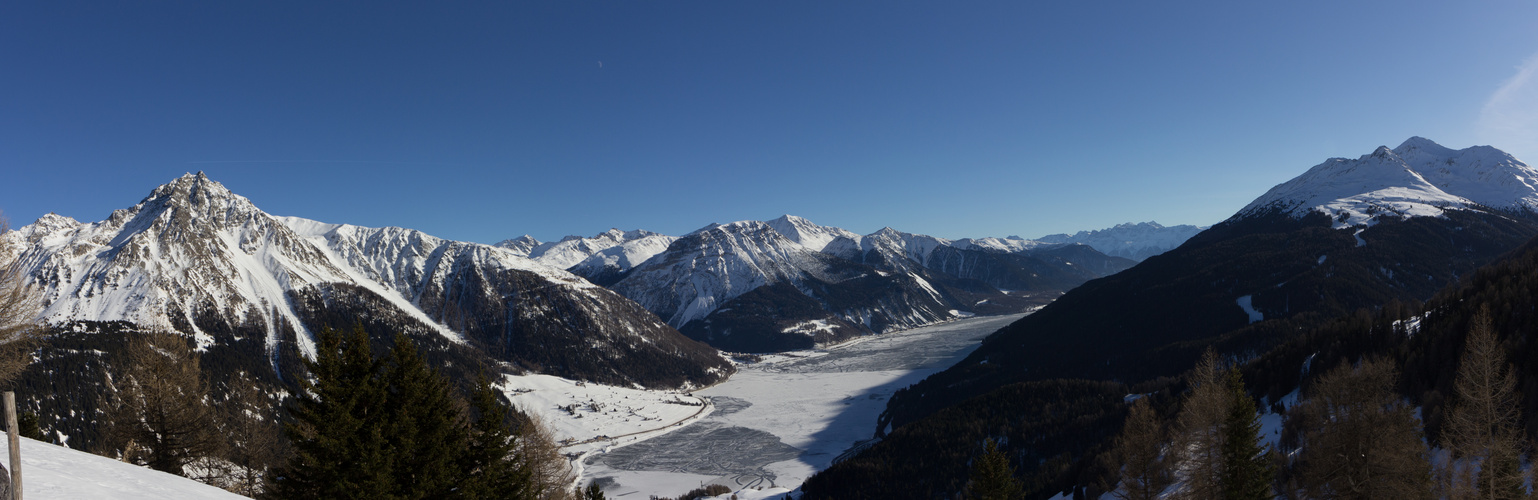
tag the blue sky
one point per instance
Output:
(482, 121)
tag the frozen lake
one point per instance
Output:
(779, 420)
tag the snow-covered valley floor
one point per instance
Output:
(771, 425)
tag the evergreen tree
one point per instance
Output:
(593, 492)
(424, 425)
(1247, 474)
(29, 427)
(391, 428)
(340, 446)
(992, 477)
(494, 471)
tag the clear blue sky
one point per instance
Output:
(482, 121)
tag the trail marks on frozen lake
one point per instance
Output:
(779, 420)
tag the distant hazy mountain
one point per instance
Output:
(1136, 241)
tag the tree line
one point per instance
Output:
(358, 426)
(1351, 435)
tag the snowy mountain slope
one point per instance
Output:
(1012, 244)
(196, 258)
(602, 259)
(1417, 179)
(1133, 241)
(620, 249)
(810, 235)
(705, 268)
(898, 250)
(52, 472)
(521, 245)
(190, 247)
(749, 286)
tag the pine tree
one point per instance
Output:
(992, 477)
(1145, 472)
(340, 446)
(489, 460)
(426, 431)
(593, 492)
(1247, 474)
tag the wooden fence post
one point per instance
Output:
(14, 435)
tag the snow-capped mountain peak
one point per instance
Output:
(194, 257)
(1420, 178)
(810, 235)
(521, 245)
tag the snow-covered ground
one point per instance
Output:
(54, 472)
(592, 418)
(770, 426)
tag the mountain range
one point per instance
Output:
(789, 283)
(1345, 238)
(195, 258)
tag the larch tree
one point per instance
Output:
(1483, 430)
(160, 415)
(1359, 439)
(1199, 431)
(253, 437)
(1141, 448)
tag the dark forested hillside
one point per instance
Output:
(1325, 298)
(1295, 272)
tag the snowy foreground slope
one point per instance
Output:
(52, 472)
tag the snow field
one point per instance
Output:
(820, 402)
(52, 472)
(600, 417)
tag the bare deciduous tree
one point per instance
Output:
(253, 439)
